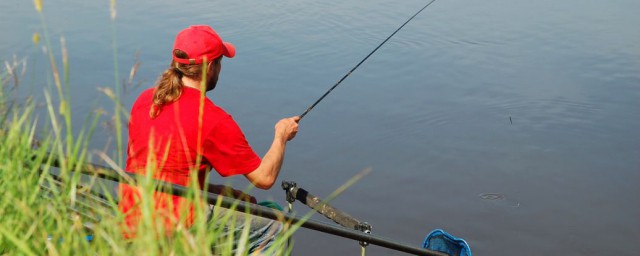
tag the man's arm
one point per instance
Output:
(266, 174)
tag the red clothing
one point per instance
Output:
(170, 143)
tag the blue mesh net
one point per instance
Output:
(441, 241)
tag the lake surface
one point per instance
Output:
(512, 124)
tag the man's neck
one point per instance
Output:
(188, 82)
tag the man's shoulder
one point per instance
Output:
(144, 99)
(213, 108)
(192, 96)
(145, 95)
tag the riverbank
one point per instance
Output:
(57, 211)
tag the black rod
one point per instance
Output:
(258, 210)
(356, 66)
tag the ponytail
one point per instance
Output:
(168, 90)
(169, 87)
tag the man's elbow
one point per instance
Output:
(261, 181)
(265, 183)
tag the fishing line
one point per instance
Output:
(365, 58)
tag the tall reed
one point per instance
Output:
(49, 207)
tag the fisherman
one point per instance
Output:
(175, 132)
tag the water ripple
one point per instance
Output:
(499, 199)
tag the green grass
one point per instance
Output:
(48, 206)
(42, 214)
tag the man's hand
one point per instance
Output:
(287, 128)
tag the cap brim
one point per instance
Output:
(230, 50)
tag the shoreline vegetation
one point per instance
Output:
(60, 211)
(57, 211)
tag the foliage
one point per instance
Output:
(49, 207)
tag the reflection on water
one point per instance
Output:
(530, 106)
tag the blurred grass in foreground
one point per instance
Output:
(58, 211)
(41, 213)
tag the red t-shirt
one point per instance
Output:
(171, 144)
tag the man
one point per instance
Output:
(175, 131)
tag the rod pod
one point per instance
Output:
(293, 192)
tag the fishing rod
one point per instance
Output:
(253, 209)
(365, 58)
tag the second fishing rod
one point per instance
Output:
(363, 60)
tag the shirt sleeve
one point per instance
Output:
(228, 151)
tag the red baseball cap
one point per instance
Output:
(200, 41)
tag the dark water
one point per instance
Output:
(513, 124)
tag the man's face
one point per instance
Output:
(212, 75)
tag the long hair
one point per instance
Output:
(170, 85)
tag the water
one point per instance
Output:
(513, 124)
